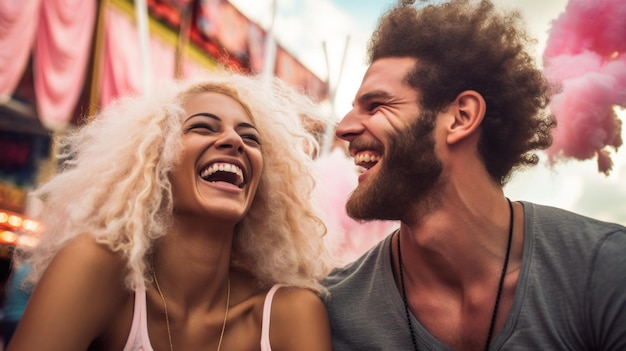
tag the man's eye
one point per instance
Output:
(372, 106)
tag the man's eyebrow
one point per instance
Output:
(375, 94)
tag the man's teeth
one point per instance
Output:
(365, 158)
(222, 167)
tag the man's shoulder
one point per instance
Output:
(560, 235)
(362, 269)
(558, 219)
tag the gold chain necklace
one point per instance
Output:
(167, 319)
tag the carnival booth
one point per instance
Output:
(61, 61)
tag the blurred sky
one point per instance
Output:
(304, 27)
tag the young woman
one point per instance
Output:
(182, 221)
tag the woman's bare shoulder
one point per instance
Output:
(77, 298)
(81, 258)
(90, 244)
(289, 300)
(299, 321)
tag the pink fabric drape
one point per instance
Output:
(18, 25)
(59, 33)
(121, 71)
(61, 55)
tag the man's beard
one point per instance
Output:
(408, 179)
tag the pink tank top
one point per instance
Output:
(138, 339)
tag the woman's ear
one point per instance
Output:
(468, 110)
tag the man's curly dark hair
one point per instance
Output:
(464, 45)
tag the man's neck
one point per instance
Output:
(452, 265)
(458, 245)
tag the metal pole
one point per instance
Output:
(332, 92)
(270, 48)
(141, 14)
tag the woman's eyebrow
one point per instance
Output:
(247, 125)
(204, 114)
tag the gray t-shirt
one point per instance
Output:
(571, 292)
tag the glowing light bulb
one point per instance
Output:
(15, 221)
(8, 237)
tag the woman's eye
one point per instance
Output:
(251, 138)
(201, 127)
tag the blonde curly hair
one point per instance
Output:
(113, 183)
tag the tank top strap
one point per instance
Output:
(138, 339)
(267, 311)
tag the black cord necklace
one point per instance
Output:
(500, 285)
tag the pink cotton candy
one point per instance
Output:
(586, 55)
(593, 25)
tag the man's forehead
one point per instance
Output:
(392, 67)
(388, 70)
(386, 75)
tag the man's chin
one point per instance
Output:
(357, 211)
(370, 212)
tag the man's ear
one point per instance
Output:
(468, 110)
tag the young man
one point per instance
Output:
(451, 105)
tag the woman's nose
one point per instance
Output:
(230, 139)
